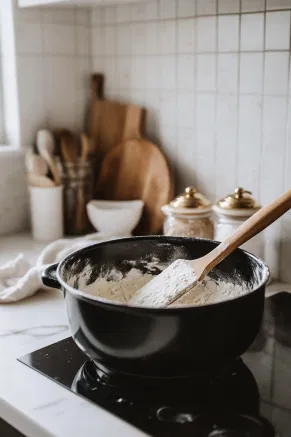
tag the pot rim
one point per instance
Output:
(120, 305)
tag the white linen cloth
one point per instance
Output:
(19, 279)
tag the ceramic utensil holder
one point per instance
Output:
(78, 191)
(46, 210)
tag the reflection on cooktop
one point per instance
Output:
(243, 401)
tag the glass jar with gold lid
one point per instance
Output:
(189, 215)
(231, 212)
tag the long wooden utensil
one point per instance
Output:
(182, 275)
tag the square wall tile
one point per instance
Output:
(167, 9)
(123, 13)
(151, 38)
(186, 35)
(123, 72)
(186, 72)
(83, 17)
(185, 108)
(28, 38)
(276, 72)
(30, 15)
(252, 5)
(206, 34)
(109, 40)
(138, 68)
(145, 11)
(97, 41)
(59, 15)
(96, 16)
(206, 77)
(278, 4)
(251, 72)
(228, 6)
(167, 69)
(124, 39)
(278, 30)
(138, 38)
(205, 112)
(82, 41)
(228, 33)
(152, 73)
(186, 8)
(167, 37)
(206, 7)
(59, 39)
(227, 71)
(252, 32)
(109, 15)
(168, 108)
(185, 158)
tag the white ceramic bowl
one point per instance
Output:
(114, 217)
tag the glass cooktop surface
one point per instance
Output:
(252, 398)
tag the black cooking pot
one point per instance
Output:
(174, 342)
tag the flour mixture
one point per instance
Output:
(114, 286)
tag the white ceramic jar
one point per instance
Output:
(189, 215)
(231, 212)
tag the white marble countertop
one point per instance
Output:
(30, 402)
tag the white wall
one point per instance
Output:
(214, 78)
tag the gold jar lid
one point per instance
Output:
(190, 199)
(239, 203)
(189, 203)
(239, 199)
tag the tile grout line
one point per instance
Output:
(237, 183)
(262, 108)
(216, 100)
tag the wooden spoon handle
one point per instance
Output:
(251, 227)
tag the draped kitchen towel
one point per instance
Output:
(19, 279)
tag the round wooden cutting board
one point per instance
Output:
(137, 169)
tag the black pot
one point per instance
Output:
(176, 342)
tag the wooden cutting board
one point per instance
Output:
(137, 169)
(109, 123)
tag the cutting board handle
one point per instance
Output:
(97, 86)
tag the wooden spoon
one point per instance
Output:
(69, 147)
(182, 275)
(45, 146)
(37, 165)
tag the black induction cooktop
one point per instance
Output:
(251, 398)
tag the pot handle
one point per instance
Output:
(49, 277)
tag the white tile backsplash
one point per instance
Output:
(252, 5)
